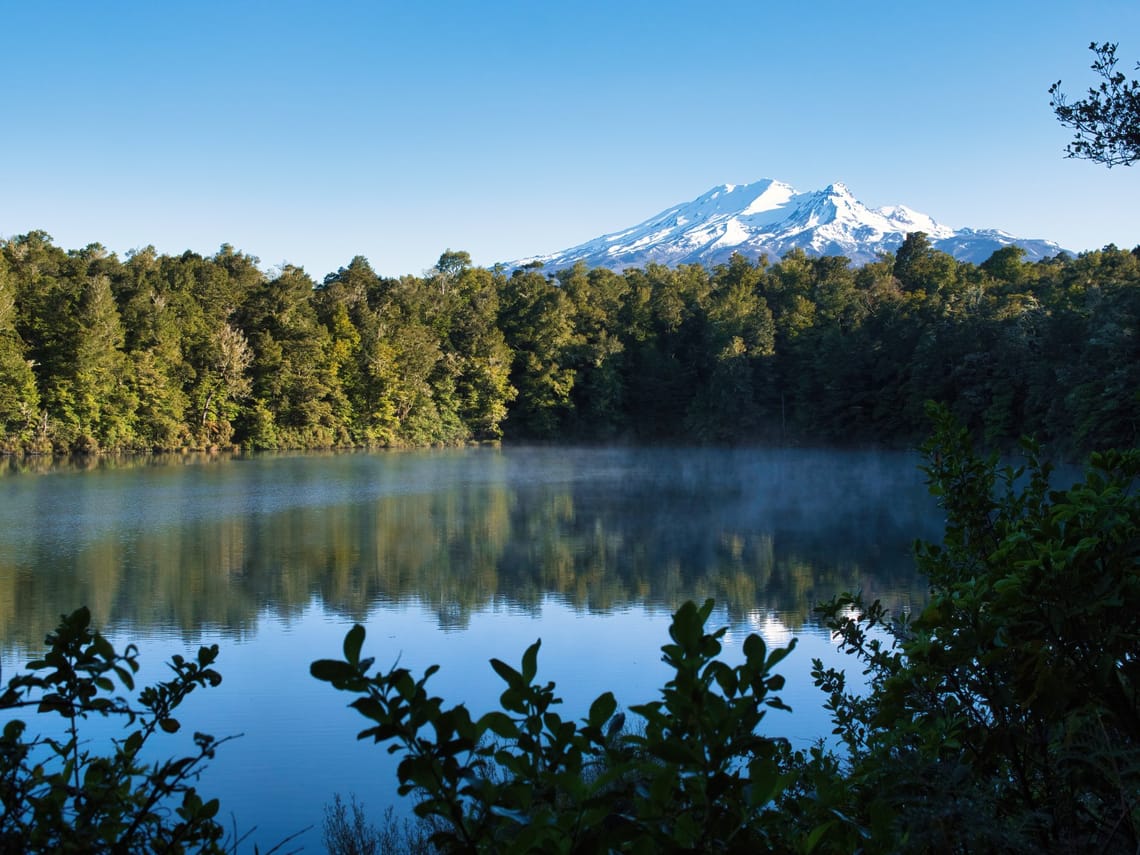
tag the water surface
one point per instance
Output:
(448, 556)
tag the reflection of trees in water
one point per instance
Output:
(44, 464)
(665, 529)
(648, 543)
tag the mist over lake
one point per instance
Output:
(450, 557)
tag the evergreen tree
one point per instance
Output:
(537, 321)
(100, 386)
(19, 399)
(482, 357)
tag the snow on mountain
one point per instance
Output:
(772, 218)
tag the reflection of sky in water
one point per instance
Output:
(271, 556)
(298, 745)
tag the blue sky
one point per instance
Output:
(308, 132)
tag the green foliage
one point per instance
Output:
(696, 777)
(19, 399)
(451, 263)
(59, 794)
(921, 268)
(537, 320)
(297, 399)
(1107, 121)
(167, 352)
(1006, 714)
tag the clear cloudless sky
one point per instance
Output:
(311, 132)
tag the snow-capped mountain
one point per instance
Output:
(771, 217)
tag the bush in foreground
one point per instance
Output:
(523, 779)
(1005, 716)
(61, 795)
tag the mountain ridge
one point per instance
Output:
(769, 217)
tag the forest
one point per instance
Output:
(163, 352)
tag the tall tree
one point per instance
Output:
(361, 355)
(294, 379)
(100, 387)
(921, 267)
(537, 320)
(19, 399)
(155, 320)
(596, 352)
(224, 381)
(482, 357)
(740, 337)
(45, 308)
(452, 262)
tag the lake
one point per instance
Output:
(446, 556)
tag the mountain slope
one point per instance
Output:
(770, 217)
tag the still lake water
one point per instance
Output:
(449, 557)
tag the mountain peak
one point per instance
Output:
(771, 217)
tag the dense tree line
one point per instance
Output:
(165, 352)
